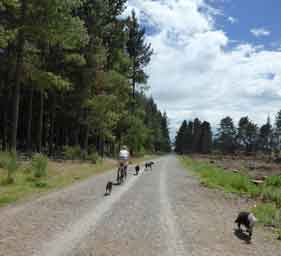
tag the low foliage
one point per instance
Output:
(268, 214)
(93, 157)
(10, 164)
(39, 165)
(72, 153)
(215, 177)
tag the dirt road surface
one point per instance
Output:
(161, 212)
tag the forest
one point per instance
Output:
(246, 137)
(72, 74)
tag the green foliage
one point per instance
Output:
(272, 194)
(93, 157)
(4, 159)
(8, 161)
(215, 177)
(226, 140)
(136, 135)
(72, 153)
(79, 64)
(274, 181)
(268, 214)
(194, 137)
(39, 165)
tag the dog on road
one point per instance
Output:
(248, 220)
(108, 188)
(149, 165)
(137, 169)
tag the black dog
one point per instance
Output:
(248, 220)
(149, 165)
(137, 168)
(108, 188)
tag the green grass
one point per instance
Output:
(268, 212)
(58, 175)
(214, 177)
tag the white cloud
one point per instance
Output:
(257, 32)
(193, 75)
(232, 20)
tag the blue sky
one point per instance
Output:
(251, 14)
(213, 58)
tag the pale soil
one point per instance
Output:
(160, 212)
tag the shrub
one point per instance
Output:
(93, 157)
(72, 153)
(268, 214)
(39, 165)
(4, 159)
(273, 181)
(9, 163)
(272, 194)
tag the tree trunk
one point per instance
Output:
(52, 125)
(40, 122)
(86, 139)
(29, 122)
(76, 135)
(19, 64)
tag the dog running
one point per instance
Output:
(137, 169)
(248, 220)
(149, 165)
(108, 188)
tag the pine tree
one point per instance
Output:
(197, 134)
(265, 137)
(179, 143)
(227, 135)
(247, 134)
(139, 51)
(206, 139)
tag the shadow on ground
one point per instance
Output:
(242, 236)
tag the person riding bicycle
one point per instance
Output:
(124, 156)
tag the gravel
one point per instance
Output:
(161, 212)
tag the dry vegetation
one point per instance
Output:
(254, 166)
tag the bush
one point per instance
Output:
(9, 163)
(93, 157)
(268, 214)
(4, 159)
(72, 153)
(39, 165)
(274, 181)
(272, 194)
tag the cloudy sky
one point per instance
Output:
(213, 58)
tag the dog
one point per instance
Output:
(108, 188)
(137, 168)
(248, 220)
(149, 165)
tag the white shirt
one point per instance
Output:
(124, 154)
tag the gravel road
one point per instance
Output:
(161, 212)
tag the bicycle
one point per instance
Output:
(121, 173)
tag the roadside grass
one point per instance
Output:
(214, 177)
(268, 210)
(59, 174)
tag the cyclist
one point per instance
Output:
(124, 156)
